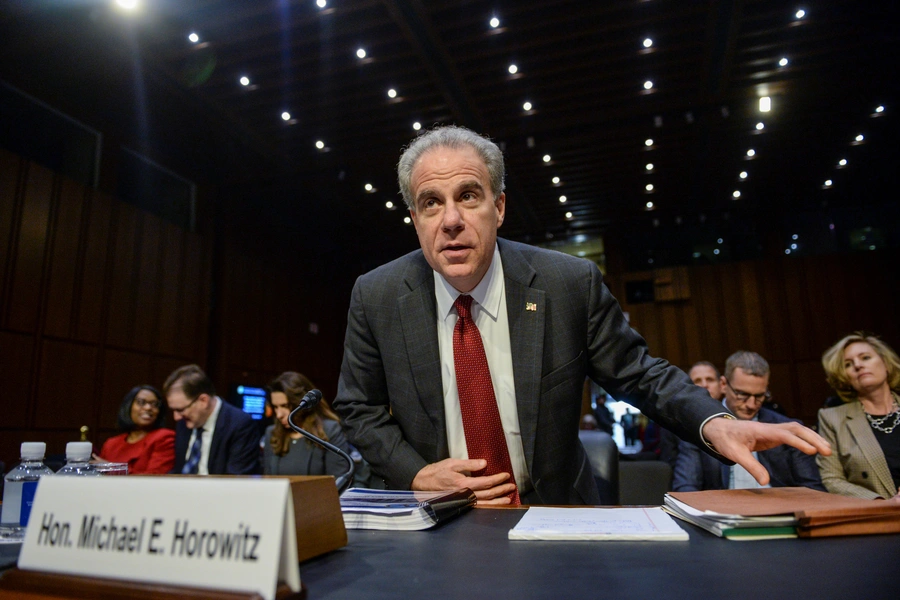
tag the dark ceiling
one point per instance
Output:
(581, 64)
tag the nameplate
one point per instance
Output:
(226, 534)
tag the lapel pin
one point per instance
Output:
(531, 306)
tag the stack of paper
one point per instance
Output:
(771, 512)
(620, 524)
(399, 510)
(732, 526)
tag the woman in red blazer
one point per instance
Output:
(146, 445)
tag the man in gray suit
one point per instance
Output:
(546, 320)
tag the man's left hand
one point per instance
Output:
(737, 440)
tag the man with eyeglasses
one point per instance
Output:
(746, 387)
(212, 437)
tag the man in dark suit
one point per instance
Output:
(212, 437)
(746, 386)
(542, 321)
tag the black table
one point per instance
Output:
(472, 558)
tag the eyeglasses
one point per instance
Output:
(744, 396)
(141, 403)
(178, 411)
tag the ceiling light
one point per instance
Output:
(568, 215)
(562, 199)
(193, 37)
(320, 144)
(860, 138)
(787, 250)
(555, 180)
(417, 126)
(720, 241)
(407, 220)
(527, 106)
(793, 246)
(795, 237)
(647, 42)
(800, 14)
(245, 80)
(648, 142)
(649, 166)
(716, 251)
(736, 194)
(392, 93)
(513, 69)
(127, 4)
(546, 158)
(751, 152)
(743, 175)
(648, 85)
(368, 187)
(649, 187)
(842, 162)
(828, 183)
(389, 204)
(765, 104)
(361, 53)
(495, 22)
(321, 3)
(286, 116)
(649, 206)
(783, 62)
(760, 126)
(879, 109)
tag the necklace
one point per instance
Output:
(879, 422)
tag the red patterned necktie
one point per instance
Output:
(480, 415)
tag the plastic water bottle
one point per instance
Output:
(21, 483)
(78, 456)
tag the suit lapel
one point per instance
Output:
(418, 318)
(215, 447)
(861, 431)
(525, 307)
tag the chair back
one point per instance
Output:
(603, 454)
(644, 481)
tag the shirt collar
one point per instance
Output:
(755, 417)
(487, 294)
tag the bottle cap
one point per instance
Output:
(79, 450)
(33, 450)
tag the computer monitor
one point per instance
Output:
(250, 399)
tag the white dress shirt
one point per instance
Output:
(489, 314)
(208, 429)
(740, 478)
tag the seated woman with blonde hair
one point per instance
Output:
(147, 446)
(289, 453)
(864, 432)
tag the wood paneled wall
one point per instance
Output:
(96, 296)
(789, 310)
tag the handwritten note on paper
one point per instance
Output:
(625, 524)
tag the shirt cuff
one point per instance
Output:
(723, 415)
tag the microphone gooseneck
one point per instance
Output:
(309, 401)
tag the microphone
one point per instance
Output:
(309, 401)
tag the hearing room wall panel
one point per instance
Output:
(9, 178)
(93, 289)
(28, 251)
(121, 371)
(193, 330)
(123, 283)
(64, 254)
(66, 388)
(171, 289)
(16, 361)
(146, 306)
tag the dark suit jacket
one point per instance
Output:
(305, 458)
(390, 395)
(235, 444)
(787, 466)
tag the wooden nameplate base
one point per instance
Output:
(317, 515)
(34, 585)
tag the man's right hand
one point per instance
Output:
(454, 473)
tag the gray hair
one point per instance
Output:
(455, 137)
(750, 363)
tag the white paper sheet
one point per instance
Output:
(611, 524)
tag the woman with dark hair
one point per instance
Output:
(146, 445)
(865, 452)
(288, 452)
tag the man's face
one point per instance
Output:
(745, 393)
(705, 376)
(194, 412)
(456, 216)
